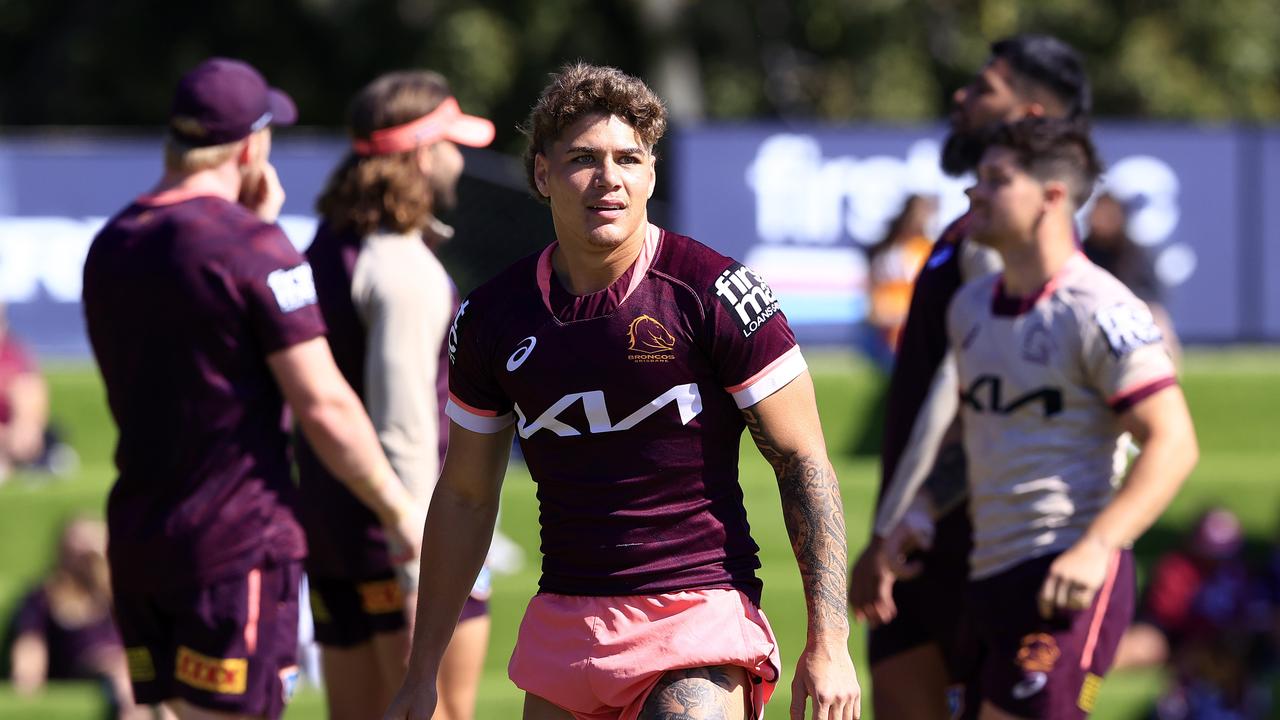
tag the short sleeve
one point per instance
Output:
(1125, 354)
(476, 401)
(32, 615)
(279, 292)
(751, 345)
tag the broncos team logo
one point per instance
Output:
(650, 339)
(1039, 653)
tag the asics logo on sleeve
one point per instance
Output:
(686, 397)
(746, 297)
(522, 351)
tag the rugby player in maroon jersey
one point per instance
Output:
(203, 320)
(913, 643)
(629, 360)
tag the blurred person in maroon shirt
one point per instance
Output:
(203, 320)
(63, 628)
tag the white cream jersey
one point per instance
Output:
(1043, 382)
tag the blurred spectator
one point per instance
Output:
(63, 628)
(1110, 247)
(895, 261)
(26, 441)
(24, 403)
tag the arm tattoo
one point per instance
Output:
(814, 517)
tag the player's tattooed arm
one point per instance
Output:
(814, 517)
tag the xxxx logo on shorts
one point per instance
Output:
(141, 668)
(227, 676)
(650, 341)
(1039, 653)
(381, 597)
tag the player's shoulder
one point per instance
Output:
(690, 262)
(1102, 303)
(976, 293)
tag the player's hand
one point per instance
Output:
(263, 194)
(1074, 577)
(826, 674)
(914, 532)
(871, 585)
(404, 532)
(416, 700)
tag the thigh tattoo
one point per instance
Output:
(691, 694)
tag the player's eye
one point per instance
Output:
(582, 159)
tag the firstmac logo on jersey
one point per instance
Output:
(294, 288)
(746, 297)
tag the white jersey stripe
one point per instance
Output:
(771, 379)
(486, 424)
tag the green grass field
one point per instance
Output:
(1232, 393)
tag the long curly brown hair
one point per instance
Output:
(388, 192)
(581, 89)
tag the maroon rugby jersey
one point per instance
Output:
(627, 405)
(923, 343)
(184, 297)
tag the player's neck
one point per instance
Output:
(583, 269)
(222, 181)
(1029, 266)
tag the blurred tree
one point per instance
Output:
(87, 62)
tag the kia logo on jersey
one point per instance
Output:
(686, 398)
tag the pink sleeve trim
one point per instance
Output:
(772, 378)
(472, 409)
(1129, 397)
(486, 424)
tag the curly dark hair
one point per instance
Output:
(366, 193)
(1053, 149)
(581, 89)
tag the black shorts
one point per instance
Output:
(930, 605)
(350, 612)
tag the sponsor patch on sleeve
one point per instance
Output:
(1127, 327)
(453, 332)
(294, 288)
(227, 676)
(746, 298)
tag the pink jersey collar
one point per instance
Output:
(199, 186)
(638, 269)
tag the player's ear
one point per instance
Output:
(244, 155)
(1057, 192)
(540, 170)
(1034, 109)
(653, 173)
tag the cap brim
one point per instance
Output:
(283, 111)
(470, 130)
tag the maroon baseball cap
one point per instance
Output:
(223, 100)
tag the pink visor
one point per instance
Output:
(446, 122)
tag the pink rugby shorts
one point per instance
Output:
(599, 657)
